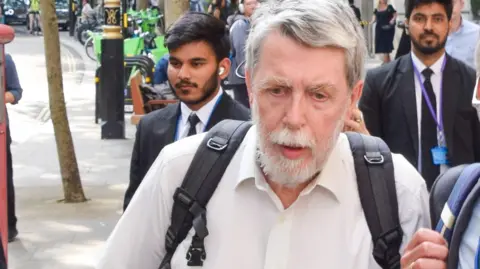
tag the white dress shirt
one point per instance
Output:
(436, 80)
(248, 226)
(203, 114)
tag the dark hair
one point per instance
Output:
(350, 2)
(197, 26)
(410, 5)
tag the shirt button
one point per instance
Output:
(281, 219)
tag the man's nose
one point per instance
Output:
(184, 72)
(296, 114)
(428, 24)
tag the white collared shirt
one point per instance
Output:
(436, 80)
(248, 226)
(203, 114)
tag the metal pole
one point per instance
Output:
(112, 74)
(124, 19)
(6, 36)
(71, 17)
(367, 7)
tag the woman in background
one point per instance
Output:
(385, 16)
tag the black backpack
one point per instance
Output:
(376, 185)
(453, 197)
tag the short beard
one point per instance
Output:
(286, 172)
(428, 50)
(208, 90)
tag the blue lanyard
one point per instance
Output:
(439, 119)
(206, 124)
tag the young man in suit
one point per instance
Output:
(199, 48)
(421, 104)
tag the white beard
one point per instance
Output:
(284, 171)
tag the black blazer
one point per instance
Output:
(388, 104)
(157, 129)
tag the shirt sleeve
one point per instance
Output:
(138, 239)
(11, 77)
(413, 199)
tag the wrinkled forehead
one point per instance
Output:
(297, 66)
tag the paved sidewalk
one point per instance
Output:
(55, 235)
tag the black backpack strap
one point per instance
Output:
(376, 187)
(201, 180)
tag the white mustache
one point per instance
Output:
(289, 138)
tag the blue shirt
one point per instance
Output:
(160, 75)
(469, 243)
(462, 43)
(11, 79)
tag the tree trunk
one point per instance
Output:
(142, 4)
(72, 186)
(174, 9)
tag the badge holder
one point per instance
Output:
(439, 153)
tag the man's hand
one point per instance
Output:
(427, 250)
(9, 98)
(355, 123)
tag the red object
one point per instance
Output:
(478, 88)
(6, 36)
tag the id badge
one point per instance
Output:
(439, 155)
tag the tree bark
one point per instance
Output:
(174, 9)
(72, 185)
(142, 4)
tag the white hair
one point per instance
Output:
(313, 23)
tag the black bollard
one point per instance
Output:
(112, 73)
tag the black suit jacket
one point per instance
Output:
(388, 104)
(157, 129)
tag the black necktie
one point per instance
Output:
(428, 124)
(193, 120)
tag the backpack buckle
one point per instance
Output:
(196, 253)
(183, 197)
(217, 143)
(374, 158)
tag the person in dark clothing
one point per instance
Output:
(385, 16)
(198, 48)
(13, 94)
(404, 46)
(356, 10)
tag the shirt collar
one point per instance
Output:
(203, 113)
(436, 67)
(332, 177)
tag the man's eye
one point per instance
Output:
(319, 96)
(197, 64)
(276, 91)
(175, 64)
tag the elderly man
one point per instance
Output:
(288, 198)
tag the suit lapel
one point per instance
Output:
(406, 89)
(170, 122)
(449, 98)
(220, 111)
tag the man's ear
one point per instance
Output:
(356, 94)
(224, 68)
(406, 26)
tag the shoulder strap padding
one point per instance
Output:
(441, 189)
(378, 196)
(202, 178)
(463, 219)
